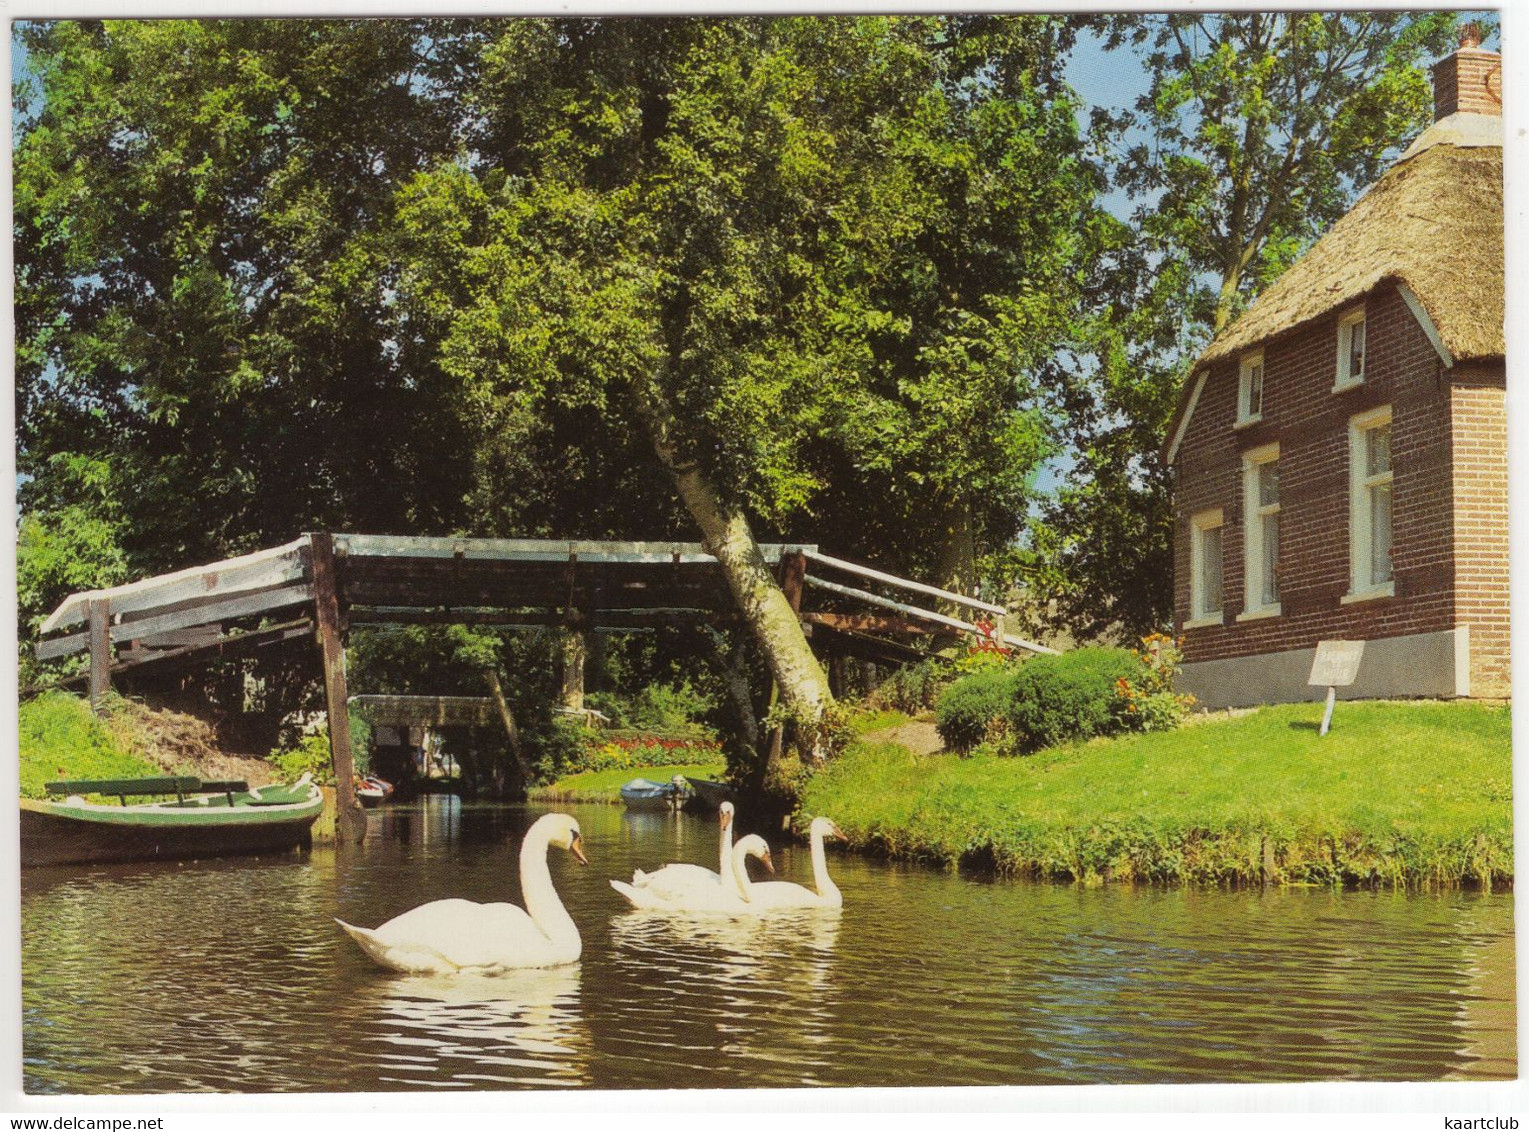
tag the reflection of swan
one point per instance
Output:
(520, 1027)
(794, 939)
(754, 963)
(785, 894)
(669, 882)
(703, 895)
(445, 936)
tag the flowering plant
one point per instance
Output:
(629, 752)
(1148, 702)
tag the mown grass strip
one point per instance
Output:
(605, 785)
(1408, 794)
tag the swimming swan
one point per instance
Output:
(447, 936)
(708, 896)
(785, 894)
(669, 882)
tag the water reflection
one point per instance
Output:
(523, 1028)
(231, 975)
(727, 1000)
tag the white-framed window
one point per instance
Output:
(1351, 342)
(1260, 516)
(1370, 572)
(1205, 602)
(1250, 388)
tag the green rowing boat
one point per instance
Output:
(204, 819)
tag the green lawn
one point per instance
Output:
(1398, 793)
(605, 785)
(877, 720)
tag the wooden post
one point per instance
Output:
(793, 569)
(350, 819)
(99, 613)
(836, 677)
(510, 729)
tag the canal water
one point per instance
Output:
(232, 976)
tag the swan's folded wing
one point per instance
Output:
(782, 894)
(469, 935)
(676, 881)
(409, 958)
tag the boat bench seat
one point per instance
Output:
(127, 787)
(167, 785)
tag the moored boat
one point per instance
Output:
(704, 796)
(643, 794)
(206, 819)
(373, 791)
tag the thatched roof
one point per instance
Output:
(1434, 222)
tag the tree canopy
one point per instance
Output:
(412, 273)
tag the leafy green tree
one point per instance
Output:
(778, 250)
(614, 277)
(204, 309)
(1263, 127)
(1256, 133)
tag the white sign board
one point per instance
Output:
(1336, 664)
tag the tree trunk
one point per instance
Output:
(571, 668)
(955, 568)
(726, 535)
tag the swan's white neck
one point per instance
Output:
(820, 878)
(740, 867)
(725, 859)
(542, 901)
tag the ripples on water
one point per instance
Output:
(232, 976)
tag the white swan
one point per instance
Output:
(707, 896)
(447, 936)
(671, 881)
(784, 894)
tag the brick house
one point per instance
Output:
(1340, 450)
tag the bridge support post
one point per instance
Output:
(350, 820)
(99, 613)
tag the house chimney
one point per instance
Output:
(1469, 81)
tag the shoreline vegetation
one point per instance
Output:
(1412, 794)
(59, 737)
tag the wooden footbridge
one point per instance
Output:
(320, 584)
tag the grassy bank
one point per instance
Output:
(1397, 794)
(59, 737)
(605, 785)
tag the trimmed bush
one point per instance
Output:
(1072, 696)
(971, 703)
(913, 687)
